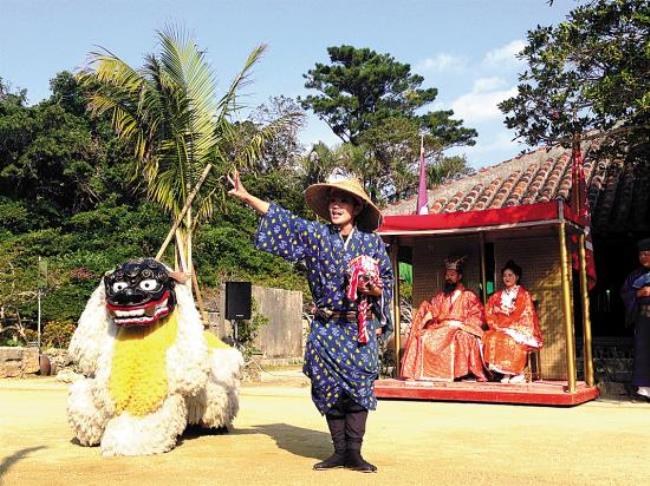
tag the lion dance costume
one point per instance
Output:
(150, 368)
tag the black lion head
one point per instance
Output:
(139, 292)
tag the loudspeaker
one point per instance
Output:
(238, 300)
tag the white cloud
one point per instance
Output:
(491, 149)
(501, 142)
(505, 55)
(483, 85)
(481, 103)
(441, 62)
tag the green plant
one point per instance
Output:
(247, 331)
(57, 334)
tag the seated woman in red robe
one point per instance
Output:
(514, 327)
(444, 342)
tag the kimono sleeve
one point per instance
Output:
(490, 314)
(473, 311)
(284, 234)
(387, 277)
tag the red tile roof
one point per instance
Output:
(618, 194)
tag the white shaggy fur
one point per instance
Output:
(220, 399)
(203, 384)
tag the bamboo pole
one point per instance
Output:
(586, 318)
(180, 250)
(199, 300)
(186, 207)
(568, 312)
(394, 249)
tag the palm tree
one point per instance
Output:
(168, 111)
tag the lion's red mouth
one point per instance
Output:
(140, 315)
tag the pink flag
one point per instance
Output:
(423, 200)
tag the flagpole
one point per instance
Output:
(422, 201)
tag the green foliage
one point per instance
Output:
(446, 167)
(406, 291)
(361, 88)
(590, 72)
(375, 105)
(14, 216)
(57, 334)
(282, 150)
(247, 331)
(67, 192)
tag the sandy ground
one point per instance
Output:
(279, 435)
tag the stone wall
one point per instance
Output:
(17, 362)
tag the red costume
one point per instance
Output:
(514, 330)
(444, 342)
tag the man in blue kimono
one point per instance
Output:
(636, 296)
(341, 364)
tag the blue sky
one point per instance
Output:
(465, 48)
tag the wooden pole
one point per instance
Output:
(186, 207)
(483, 267)
(394, 249)
(586, 318)
(199, 300)
(568, 311)
(180, 250)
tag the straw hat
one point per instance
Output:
(317, 198)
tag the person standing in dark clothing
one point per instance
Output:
(341, 354)
(636, 296)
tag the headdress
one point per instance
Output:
(455, 263)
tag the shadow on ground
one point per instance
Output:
(296, 440)
(9, 461)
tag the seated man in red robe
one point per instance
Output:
(445, 338)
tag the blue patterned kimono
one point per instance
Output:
(334, 361)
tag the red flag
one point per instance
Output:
(423, 200)
(580, 207)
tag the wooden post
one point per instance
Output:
(394, 249)
(568, 311)
(483, 267)
(586, 318)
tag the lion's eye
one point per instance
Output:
(119, 286)
(149, 284)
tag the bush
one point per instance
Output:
(247, 331)
(57, 334)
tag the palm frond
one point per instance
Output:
(228, 102)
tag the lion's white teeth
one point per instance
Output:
(137, 312)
